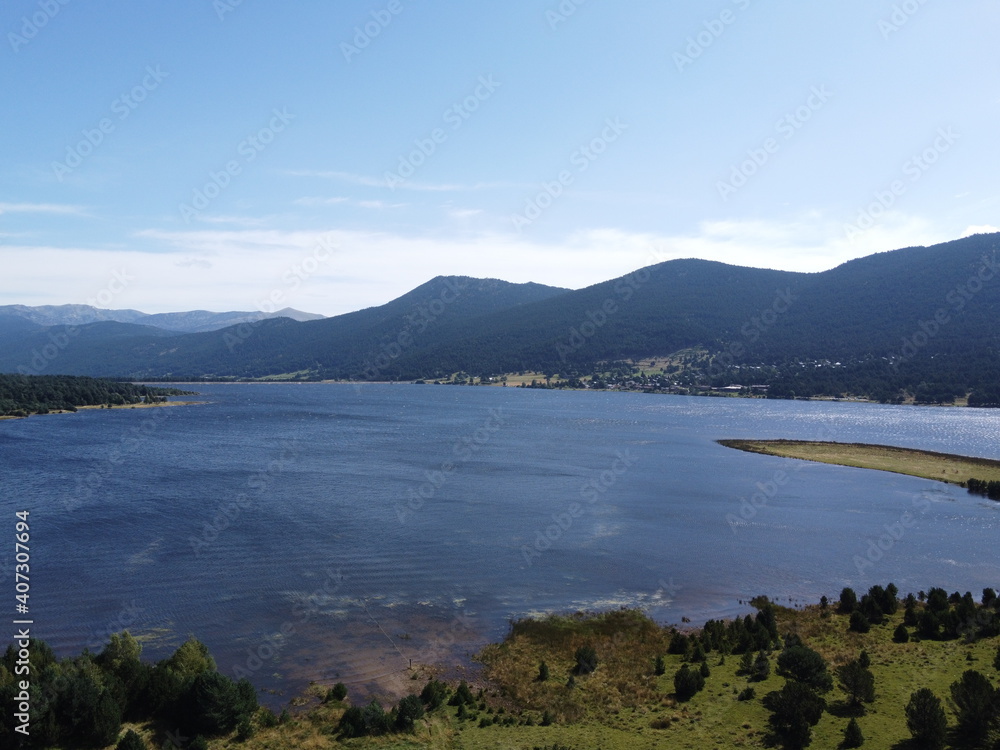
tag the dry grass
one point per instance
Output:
(943, 467)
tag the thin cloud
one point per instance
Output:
(980, 229)
(41, 208)
(316, 201)
(429, 187)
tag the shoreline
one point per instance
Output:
(941, 467)
(105, 406)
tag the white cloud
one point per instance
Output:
(980, 229)
(235, 269)
(316, 201)
(398, 183)
(41, 208)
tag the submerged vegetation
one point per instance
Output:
(872, 670)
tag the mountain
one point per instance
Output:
(921, 320)
(186, 322)
(348, 345)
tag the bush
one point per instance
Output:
(462, 696)
(803, 664)
(858, 683)
(131, 741)
(409, 710)
(659, 667)
(852, 735)
(360, 722)
(747, 694)
(213, 704)
(859, 623)
(687, 682)
(543, 672)
(434, 694)
(901, 634)
(586, 660)
(794, 709)
(244, 730)
(848, 601)
(761, 669)
(337, 693)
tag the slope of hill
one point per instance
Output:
(921, 320)
(350, 345)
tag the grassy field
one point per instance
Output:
(623, 704)
(943, 467)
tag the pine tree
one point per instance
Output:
(926, 720)
(852, 735)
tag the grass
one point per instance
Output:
(943, 467)
(624, 705)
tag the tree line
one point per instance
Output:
(21, 395)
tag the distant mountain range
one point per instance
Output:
(915, 320)
(194, 321)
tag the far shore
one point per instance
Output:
(116, 407)
(941, 467)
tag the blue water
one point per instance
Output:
(323, 532)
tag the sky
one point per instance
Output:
(331, 156)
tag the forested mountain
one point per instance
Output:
(348, 345)
(192, 321)
(921, 320)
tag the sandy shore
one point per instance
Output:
(116, 408)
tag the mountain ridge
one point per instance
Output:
(859, 328)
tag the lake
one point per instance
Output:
(335, 532)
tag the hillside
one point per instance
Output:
(916, 672)
(917, 321)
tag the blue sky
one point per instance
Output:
(332, 156)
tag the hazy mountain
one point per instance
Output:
(188, 322)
